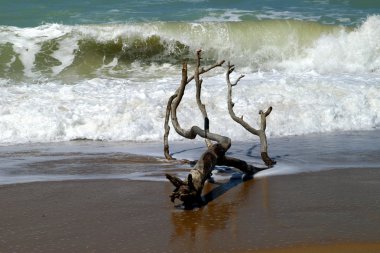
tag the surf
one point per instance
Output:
(111, 82)
(83, 51)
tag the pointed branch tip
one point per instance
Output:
(267, 112)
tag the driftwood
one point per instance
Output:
(263, 116)
(189, 190)
(184, 81)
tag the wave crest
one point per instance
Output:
(85, 51)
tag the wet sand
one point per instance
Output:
(325, 211)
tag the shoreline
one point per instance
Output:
(328, 211)
(94, 160)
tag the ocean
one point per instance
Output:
(104, 70)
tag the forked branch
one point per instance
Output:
(184, 81)
(189, 190)
(195, 130)
(263, 115)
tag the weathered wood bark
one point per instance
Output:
(167, 128)
(189, 190)
(263, 115)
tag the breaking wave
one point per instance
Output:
(57, 51)
(112, 82)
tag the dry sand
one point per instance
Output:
(330, 211)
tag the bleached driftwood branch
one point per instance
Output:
(198, 81)
(189, 190)
(263, 115)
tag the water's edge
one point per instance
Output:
(86, 160)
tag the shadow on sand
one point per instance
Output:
(217, 191)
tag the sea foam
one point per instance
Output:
(118, 109)
(112, 82)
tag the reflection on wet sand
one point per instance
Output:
(194, 229)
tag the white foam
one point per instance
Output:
(349, 51)
(333, 85)
(27, 42)
(120, 109)
(65, 54)
(281, 169)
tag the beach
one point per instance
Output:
(315, 198)
(84, 92)
(321, 211)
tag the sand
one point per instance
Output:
(328, 211)
(85, 196)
